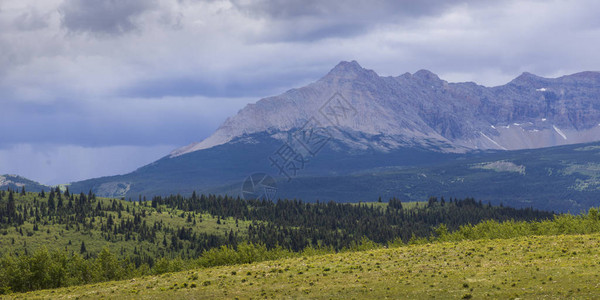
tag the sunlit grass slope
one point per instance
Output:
(549, 267)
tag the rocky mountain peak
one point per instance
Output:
(527, 78)
(349, 70)
(426, 75)
(347, 67)
(422, 109)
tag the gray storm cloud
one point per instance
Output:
(102, 16)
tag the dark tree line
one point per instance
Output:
(294, 224)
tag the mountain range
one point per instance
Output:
(422, 109)
(353, 121)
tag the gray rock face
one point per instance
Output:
(421, 109)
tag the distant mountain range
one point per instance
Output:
(353, 121)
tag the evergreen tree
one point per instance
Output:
(432, 201)
(11, 206)
(51, 204)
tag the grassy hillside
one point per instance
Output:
(552, 267)
(186, 227)
(136, 230)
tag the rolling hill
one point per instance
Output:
(527, 267)
(17, 182)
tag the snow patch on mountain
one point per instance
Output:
(489, 139)
(562, 134)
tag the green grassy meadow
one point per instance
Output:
(548, 267)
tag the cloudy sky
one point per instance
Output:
(94, 88)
